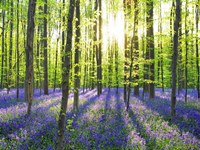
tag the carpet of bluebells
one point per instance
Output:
(101, 123)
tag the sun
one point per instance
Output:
(114, 29)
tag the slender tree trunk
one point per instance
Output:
(197, 48)
(130, 71)
(172, 18)
(63, 37)
(17, 46)
(39, 85)
(6, 59)
(186, 51)
(95, 46)
(85, 72)
(45, 50)
(76, 58)
(56, 60)
(56, 65)
(161, 49)
(3, 43)
(144, 65)
(180, 58)
(110, 62)
(160, 46)
(66, 60)
(29, 54)
(11, 47)
(127, 7)
(136, 49)
(150, 47)
(175, 56)
(147, 54)
(99, 53)
(116, 66)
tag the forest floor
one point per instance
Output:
(101, 123)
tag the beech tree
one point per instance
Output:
(197, 46)
(150, 47)
(66, 60)
(3, 42)
(17, 47)
(29, 54)
(76, 57)
(136, 49)
(174, 59)
(99, 52)
(45, 50)
(10, 46)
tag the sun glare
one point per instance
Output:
(114, 29)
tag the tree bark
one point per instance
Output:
(136, 49)
(95, 46)
(99, 53)
(3, 42)
(186, 51)
(172, 18)
(127, 6)
(160, 46)
(116, 65)
(10, 47)
(197, 48)
(45, 50)
(66, 60)
(175, 56)
(131, 69)
(17, 49)
(150, 47)
(161, 51)
(76, 58)
(39, 85)
(56, 66)
(180, 58)
(29, 54)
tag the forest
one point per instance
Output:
(99, 74)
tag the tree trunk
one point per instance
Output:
(39, 85)
(45, 50)
(127, 6)
(85, 72)
(110, 66)
(76, 58)
(172, 18)
(160, 45)
(66, 60)
(175, 56)
(186, 51)
(95, 46)
(136, 49)
(99, 53)
(144, 65)
(3, 42)
(180, 58)
(130, 71)
(6, 58)
(116, 65)
(146, 57)
(11, 47)
(197, 48)
(56, 65)
(29, 54)
(150, 47)
(17, 47)
(161, 49)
